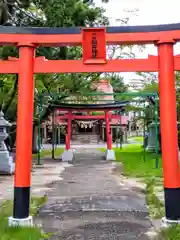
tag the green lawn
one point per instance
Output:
(137, 163)
(171, 233)
(48, 153)
(140, 164)
(19, 233)
(137, 139)
(134, 165)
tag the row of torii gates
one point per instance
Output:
(67, 156)
(94, 59)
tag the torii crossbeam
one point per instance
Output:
(42, 65)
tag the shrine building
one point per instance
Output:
(87, 126)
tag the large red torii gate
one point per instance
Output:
(94, 60)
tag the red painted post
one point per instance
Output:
(67, 142)
(168, 123)
(108, 131)
(110, 141)
(69, 130)
(25, 110)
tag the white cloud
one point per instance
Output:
(150, 12)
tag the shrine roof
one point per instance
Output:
(112, 106)
(77, 30)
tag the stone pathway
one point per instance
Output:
(91, 202)
(41, 179)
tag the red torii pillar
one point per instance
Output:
(69, 130)
(22, 179)
(67, 156)
(108, 132)
(110, 154)
(169, 137)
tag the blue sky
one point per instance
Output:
(149, 12)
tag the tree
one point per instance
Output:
(8, 95)
(55, 14)
(58, 13)
(42, 13)
(151, 85)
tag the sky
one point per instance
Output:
(149, 12)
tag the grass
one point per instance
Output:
(156, 207)
(19, 233)
(137, 163)
(171, 233)
(134, 165)
(142, 165)
(139, 139)
(48, 153)
(24, 233)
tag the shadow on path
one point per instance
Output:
(90, 203)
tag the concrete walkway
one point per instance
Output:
(92, 202)
(41, 179)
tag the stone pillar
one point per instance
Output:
(151, 147)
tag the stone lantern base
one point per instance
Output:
(7, 166)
